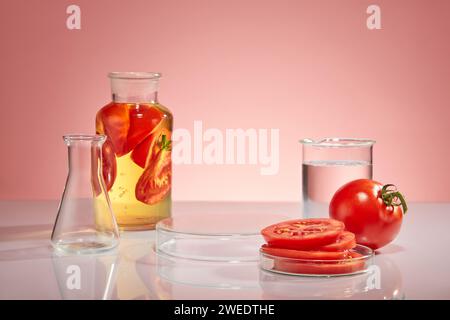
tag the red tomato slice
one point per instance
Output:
(143, 119)
(156, 180)
(303, 234)
(346, 266)
(345, 241)
(109, 165)
(299, 254)
(113, 120)
(147, 149)
(141, 152)
(127, 125)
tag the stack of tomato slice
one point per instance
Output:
(312, 246)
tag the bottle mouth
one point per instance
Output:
(338, 142)
(135, 75)
(84, 137)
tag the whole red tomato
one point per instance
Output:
(369, 209)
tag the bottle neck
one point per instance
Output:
(134, 90)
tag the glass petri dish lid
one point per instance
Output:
(219, 237)
(359, 261)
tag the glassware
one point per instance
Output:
(137, 165)
(327, 165)
(85, 222)
(382, 280)
(215, 236)
(359, 260)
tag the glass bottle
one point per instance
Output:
(327, 165)
(85, 222)
(137, 165)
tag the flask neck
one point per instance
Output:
(84, 153)
(80, 159)
(134, 90)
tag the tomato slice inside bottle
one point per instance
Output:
(155, 183)
(109, 165)
(142, 150)
(114, 121)
(127, 125)
(143, 120)
(156, 180)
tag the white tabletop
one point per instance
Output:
(415, 266)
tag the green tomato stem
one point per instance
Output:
(392, 197)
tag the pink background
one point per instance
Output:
(310, 68)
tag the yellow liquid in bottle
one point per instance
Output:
(136, 162)
(130, 213)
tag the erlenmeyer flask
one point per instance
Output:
(85, 221)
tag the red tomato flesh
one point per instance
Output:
(299, 254)
(114, 121)
(127, 124)
(156, 180)
(143, 120)
(303, 234)
(109, 164)
(346, 266)
(345, 241)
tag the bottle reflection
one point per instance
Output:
(85, 277)
(142, 274)
(174, 278)
(137, 276)
(129, 284)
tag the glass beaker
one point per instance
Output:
(327, 165)
(85, 222)
(137, 153)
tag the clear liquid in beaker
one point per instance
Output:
(321, 179)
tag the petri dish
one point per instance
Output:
(360, 262)
(220, 237)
